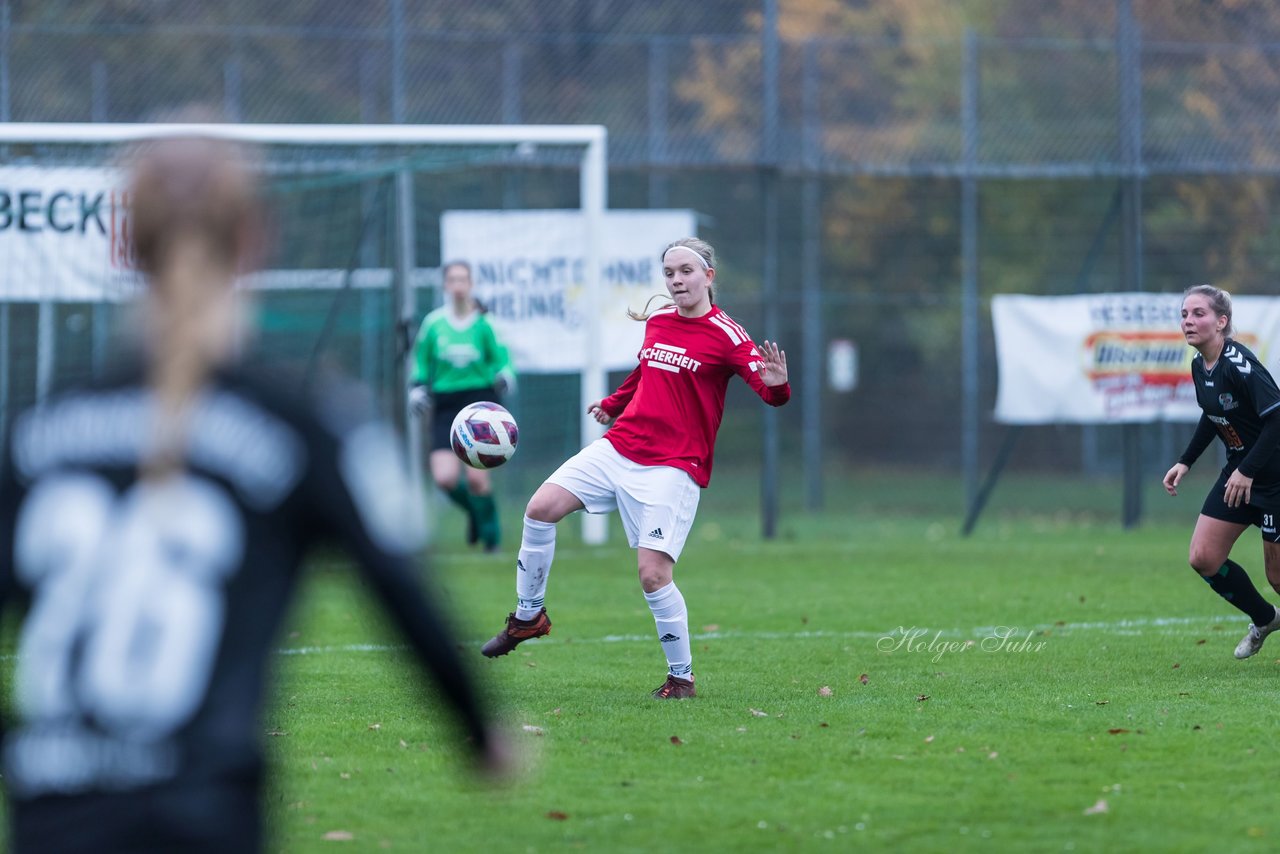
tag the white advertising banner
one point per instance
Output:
(529, 271)
(63, 235)
(1109, 358)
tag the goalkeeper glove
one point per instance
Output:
(419, 399)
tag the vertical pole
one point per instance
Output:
(368, 87)
(396, 36)
(769, 280)
(402, 309)
(970, 386)
(100, 332)
(811, 284)
(769, 487)
(658, 119)
(99, 111)
(5, 44)
(233, 86)
(370, 246)
(1130, 129)
(99, 107)
(512, 81)
(5, 362)
(594, 200)
(46, 347)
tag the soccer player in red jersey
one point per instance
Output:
(1241, 406)
(655, 458)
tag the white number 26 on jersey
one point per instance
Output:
(127, 603)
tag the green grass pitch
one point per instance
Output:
(866, 680)
(855, 690)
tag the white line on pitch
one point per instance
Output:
(1117, 626)
(978, 632)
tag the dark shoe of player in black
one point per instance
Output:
(675, 688)
(515, 633)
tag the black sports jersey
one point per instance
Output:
(153, 605)
(1236, 397)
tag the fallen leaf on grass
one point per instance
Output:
(1098, 808)
(1201, 642)
(1176, 666)
(920, 698)
(556, 815)
(759, 714)
(864, 679)
(675, 739)
(536, 730)
(375, 727)
(824, 691)
(1101, 702)
(928, 739)
(824, 723)
(1117, 731)
(339, 836)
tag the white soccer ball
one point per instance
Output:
(484, 435)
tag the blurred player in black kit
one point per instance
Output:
(153, 527)
(1241, 406)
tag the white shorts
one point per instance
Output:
(657, 503)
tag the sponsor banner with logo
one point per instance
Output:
(1109, 358)
(529, 271)
(64, 235)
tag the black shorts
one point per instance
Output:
(446, 408)
(188, 818)
(1262, 509)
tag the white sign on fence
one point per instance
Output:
(1109, 358)
(529, 271)
(63, 235)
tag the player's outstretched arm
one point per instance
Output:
(773, 366)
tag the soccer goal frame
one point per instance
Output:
(593, 200)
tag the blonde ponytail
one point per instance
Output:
(195, 222)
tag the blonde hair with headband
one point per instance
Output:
(706, 255)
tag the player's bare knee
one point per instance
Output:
(655, 573)
(1204, 563)
(544, 506)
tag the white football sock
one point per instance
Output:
(672, 620)
(537, 548)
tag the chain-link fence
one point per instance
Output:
(868, 174)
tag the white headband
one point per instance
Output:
(693, 252)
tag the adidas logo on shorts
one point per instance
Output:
(655, 534)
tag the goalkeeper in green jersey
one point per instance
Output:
(459, 360)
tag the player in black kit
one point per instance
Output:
(1241, 406)
(153, 527)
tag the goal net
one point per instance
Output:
(357, 242)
